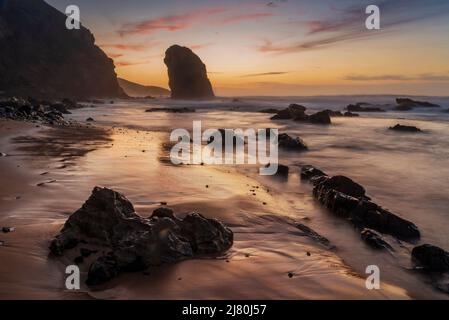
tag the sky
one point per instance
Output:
(279, 47)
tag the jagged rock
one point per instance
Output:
(187, 74)
(282, 171)
(90, 119)
(431, 258)
(42, 58)
(349, 114)
(308, 172)
(348, 199)
(222, 132)
(344, 185)
(108, 219)
(289, 143)
(294, 111)
(374, 239)
(321, 117)
(402, 128)
(408, 104)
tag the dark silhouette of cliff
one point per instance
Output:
(187, 74)
(40, 57)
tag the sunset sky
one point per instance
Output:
(280, 47)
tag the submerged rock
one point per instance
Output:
(321, 117)
(374, 239)
(363, 107)
(400, 127)
(314, 235)
(108, 219)
(289, 143)
(333, 113)
(350, 114)
(187, 74)
(431, 258)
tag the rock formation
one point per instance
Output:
(347, 199)
(40, 57)
(142, 91)
(431, 258)
(402, 128)
(298, 113)
(108, 220)
(292, 144)
(408, 104)
(187, 74)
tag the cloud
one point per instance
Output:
(199, 46)
(169, 23)
(348, 24)
(129, 63)
(133, 47)
(272, 73)
(397, 77)
(246, 17)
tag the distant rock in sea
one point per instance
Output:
(402, 128)
(138, 90)
(363, 107)
(40, 57)
(187, 74)
(408, 104)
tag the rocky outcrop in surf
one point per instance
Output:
(297, 112)
(187, 74)
(108, 221)
(348, 199)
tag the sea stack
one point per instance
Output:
(187, 74)
(40, 57)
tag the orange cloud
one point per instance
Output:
(243, 17)
(134, 47)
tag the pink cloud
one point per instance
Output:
(245, 17)
(169, 23)
(118, 46)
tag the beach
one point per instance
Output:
(50, 171)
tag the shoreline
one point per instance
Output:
(40, 230)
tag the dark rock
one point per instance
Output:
(409, 103)
(8, 229)
(109, 219)
(78, 260)
(344, 185)
(60, 107)
(42, 58)
(90, 119)
(403, 108)
(294, 111)
(289, 143)
(402, 128)
(308, 172)
(321, 117)
(350, 114)
(374, 239)
(234, 137)
(2, 154)
(87, 252)
(359, 107)
(269, 110)
(431, 258)
(347, 199)
(187, 74)
(102, 270)
(282, 171)
(172, 110)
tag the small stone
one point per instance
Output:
(3, 154)
(290, 274)
(8, 229)
(207, 186)
(308, 254)
(90, 119)
(163, 203)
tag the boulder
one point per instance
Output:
(107, 219)
(321, 117)
(374, 239)
(294, 111)
(344, 185)
(289, 143)
(308, 172)
(333, 113)
(431, 258)
(402, 128)
(187, 74)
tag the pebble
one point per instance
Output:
(8, 229)
(3, 154)
(290, 274)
